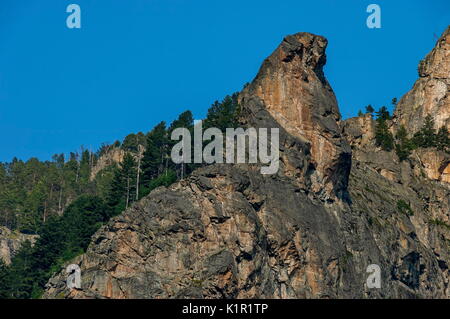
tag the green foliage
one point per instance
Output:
(440, 223)
(185, 120)
(394, 101)
(369, 109)
(132, 141)
(32, 191)
(155, 154)
(165, 179)
(61, 202)
(383, 114)
(223, 115)
(404, 208)
(383, 137)
(60, 239)
(404, 146)
(123, 185)
(442, 139)
(360, 113)
(426, 137)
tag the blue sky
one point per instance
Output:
(137, 62)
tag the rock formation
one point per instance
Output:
(293, 90)
(430, 94)
(111, 157)
(309, 231)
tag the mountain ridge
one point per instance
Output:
(309, 231)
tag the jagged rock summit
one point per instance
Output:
(430, 94)
(309, 231)
(291, 87)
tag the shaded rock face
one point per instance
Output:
(430, 94)
(227, 231)
(230, 232)
(10, 243)
(292, 89)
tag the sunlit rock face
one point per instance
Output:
(430, 94)
(111, 157)
(10, 243)
(292, 87)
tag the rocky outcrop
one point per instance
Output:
(309, 231)
(113, 156)
(430, 94)
(292, 89)
(10, 243)
(230, 232)
(434, 164)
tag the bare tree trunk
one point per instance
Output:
(182, 170)
(59, 202)
(78, 170)
(167, 163)
(138, 173)
(45, 211)
(128, 191)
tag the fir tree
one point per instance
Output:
(123, 187)
(426, 137)
(223, 115)
(369, 109)
(154, 156)
(383, 137)
(443, 139)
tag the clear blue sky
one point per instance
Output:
(137, 62)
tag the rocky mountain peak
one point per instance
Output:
(291, 87)
(430, 93)
(436, 63)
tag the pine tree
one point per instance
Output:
(184, 120)
(369, 109)
(426, 137)
(383, 137)
(443, 139)
(394, 101)
(123, 187)
(128, 171)
(403, 147)
(155, 154)
(223, 115)
(383, 114)
(132, 141)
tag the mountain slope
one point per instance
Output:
(309, 231)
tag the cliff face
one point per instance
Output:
(430, 94)
(292, 89)
(309, 231)
(111, 157)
